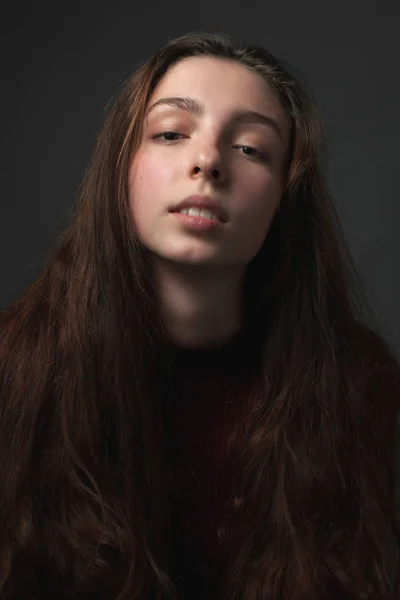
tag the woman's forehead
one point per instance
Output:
(197, 72)
(212, 83)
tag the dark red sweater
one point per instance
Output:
(216, 387)
(215, 395)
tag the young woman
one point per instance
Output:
(192, 404)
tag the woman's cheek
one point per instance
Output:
(145, 179)
(261, 197)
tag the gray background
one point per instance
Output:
(63, 62)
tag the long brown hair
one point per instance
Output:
(84, 486)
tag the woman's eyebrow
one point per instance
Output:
(240, 116)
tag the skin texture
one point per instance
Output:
(200, 274)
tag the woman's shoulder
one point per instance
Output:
(376, 355)
(24, 330)
(374, 371)
(381, 376)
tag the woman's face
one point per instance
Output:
(241, 164)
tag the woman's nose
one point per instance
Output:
(208, 162)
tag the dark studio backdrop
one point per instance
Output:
(64, 61)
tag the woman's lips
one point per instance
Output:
(197, 223)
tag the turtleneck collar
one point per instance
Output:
(230, 358)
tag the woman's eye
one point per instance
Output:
(170, 136)
(162, 136)
(250, 151)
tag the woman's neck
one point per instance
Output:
(201, 306)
